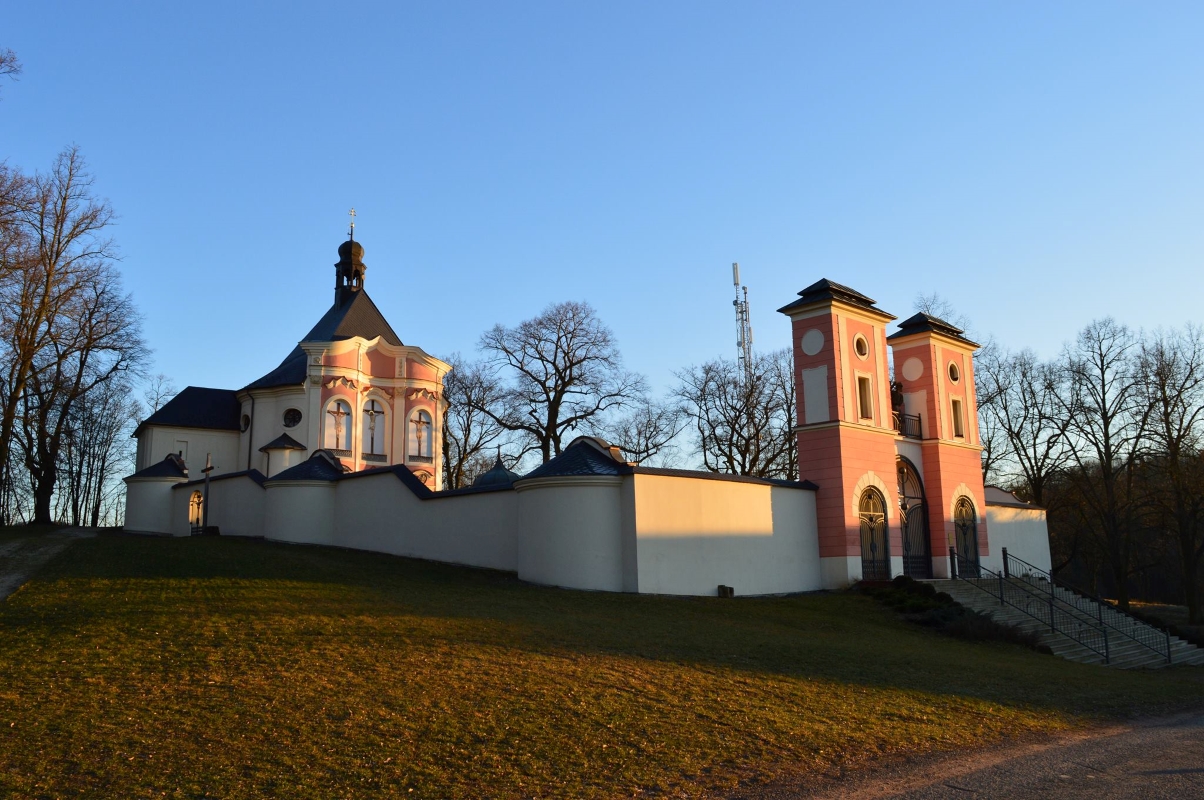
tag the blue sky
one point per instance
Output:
(1037, 164)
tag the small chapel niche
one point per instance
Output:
(420, 436)
(374, 428)
(337, 428)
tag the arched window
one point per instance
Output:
(196, 512)
(374, 430)
(875, 556)
(421, 434)
(965, 525)
(913, 521)
(337, 424)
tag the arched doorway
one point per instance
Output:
(913, 521)
(965, 525)
(875, 556)
(196, 512)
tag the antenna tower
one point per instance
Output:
(744, 334)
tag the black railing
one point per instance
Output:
(907, 425)
(377, 457)
(1088, 604)
(1044, 607)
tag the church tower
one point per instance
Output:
(846, 430)
(934, 366)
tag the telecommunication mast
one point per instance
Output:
(744, 334)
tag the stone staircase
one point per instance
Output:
(1130, 643)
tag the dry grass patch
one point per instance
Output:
(223, 668)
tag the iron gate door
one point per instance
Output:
(913, 520)
(875, 555)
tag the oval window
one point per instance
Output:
(861, 346)
(954, 373)
(292, 418)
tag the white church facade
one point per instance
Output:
(340, 445)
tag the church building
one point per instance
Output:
(340, 444)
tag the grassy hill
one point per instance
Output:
(140, 667)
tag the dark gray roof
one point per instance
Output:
(197, 407)
(825, 289)
(1002, 497)
(170, 467)
(353, 314)
(283, 442)
(254, 474)
(724, 476)
(919, 323)
(497, 475)
(321, 466)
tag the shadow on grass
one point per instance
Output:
(840, 637)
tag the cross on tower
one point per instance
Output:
(351, 233)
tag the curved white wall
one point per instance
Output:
(148, 504)
(570, 533)
(299, 511)
(1022, 531)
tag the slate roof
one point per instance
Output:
(170, 467)
(318, 467)
(197, 407)
(254, 474)
(497, 475)
(353, 314)
(283, 442)
(922, 322)
(825, 289)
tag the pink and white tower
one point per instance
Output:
(898, 469)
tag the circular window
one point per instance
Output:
(861, 347)
(292, 418)
(955, 374)
(244, 423)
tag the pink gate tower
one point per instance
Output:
(897, 463)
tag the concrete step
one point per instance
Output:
(1124, 651)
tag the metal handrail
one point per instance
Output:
(1129, 626)
(1041, 607)
(908, 425)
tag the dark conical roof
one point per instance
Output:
(498, 475)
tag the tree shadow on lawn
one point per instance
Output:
(840, 637)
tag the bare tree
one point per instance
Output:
(744, 421)
(646, 432)
(9, 65)
(157, 390)
(64, 244)
(1171, 389)
(1107, 423)
(469, 430)
(1026, 403)
(95, 452)
(561, 370)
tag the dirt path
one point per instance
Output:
(20, 558)
(1161, 758)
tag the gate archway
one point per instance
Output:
(965, 525)
(913, 521)
(875, 553)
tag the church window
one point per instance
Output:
(865, 398)
(959, 424)
(244, 423)
(955, 374)
(421, 434)
(338, 428)
(292, 418)
(861, 347)
(374, 431)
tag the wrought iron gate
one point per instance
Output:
(913, 520)
(875, 554)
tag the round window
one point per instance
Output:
(244, 423)
(954, 373)
(861, 346)
(292, 418)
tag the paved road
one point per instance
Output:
(20, 558)
(1157, 759)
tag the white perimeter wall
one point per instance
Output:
(196, 442)
(300, 511)
(1022, 531)
(570, 533)
(380, 513)
(693, 534)
(148, 504)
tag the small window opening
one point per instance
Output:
(865, 398)
(954, 373)
(959, 428)
(861, 346)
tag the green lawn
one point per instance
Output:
(137, 667)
